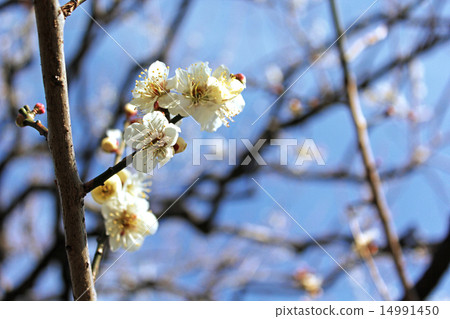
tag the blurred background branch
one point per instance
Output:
(224, 239)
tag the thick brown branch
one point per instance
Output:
(50, 23)
(372, 176)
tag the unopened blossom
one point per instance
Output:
(39, 108)
(128, 221)
(211, 99)
(110, 144)
(154, 139)
(110, 188)
(152, 88)
(180, 146)
(130, 110)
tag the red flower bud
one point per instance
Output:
(240, 77)
(39, 108)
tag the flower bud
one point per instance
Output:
(241, 78)
(19, 120)
(295, 106)
(112, 186)
(180, 146)
(308, 281)
(110, 145)
(130, 110)
(39, 108)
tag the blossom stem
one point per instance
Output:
(101, 246)
(38, 126)
(70, 6)
(175, 119)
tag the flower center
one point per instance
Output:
(125, 222)
(156, 88)
(198, 92)
(107, 190)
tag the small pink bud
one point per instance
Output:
(39, 108)
(372, 247)
(240, 77)
(390, 111)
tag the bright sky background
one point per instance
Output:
(251, 38)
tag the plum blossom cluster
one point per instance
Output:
(125, 209)
(211, 98)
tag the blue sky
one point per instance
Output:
(249, 38)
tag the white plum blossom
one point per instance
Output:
(111, 187)
(154, 87)
(127, 221)
(137, 185)
(154, 139)
(211, 99)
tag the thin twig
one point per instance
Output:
(365, 148)
(38, 126)
(101, 179)
(176, 118)
(365, 254)
(101, 239)
(70, 6)
(99, 253)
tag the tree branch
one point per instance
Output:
(50, 23)
(437, 268)
(100, 179)
(70, 6)
(365, 148)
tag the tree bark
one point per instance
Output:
(50, 24)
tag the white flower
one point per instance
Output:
(137, 185)
(211, 99)
(110, 188)
(128, 221)
(154, 139)
(154, 87)
(310, 282)
(365, 242)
